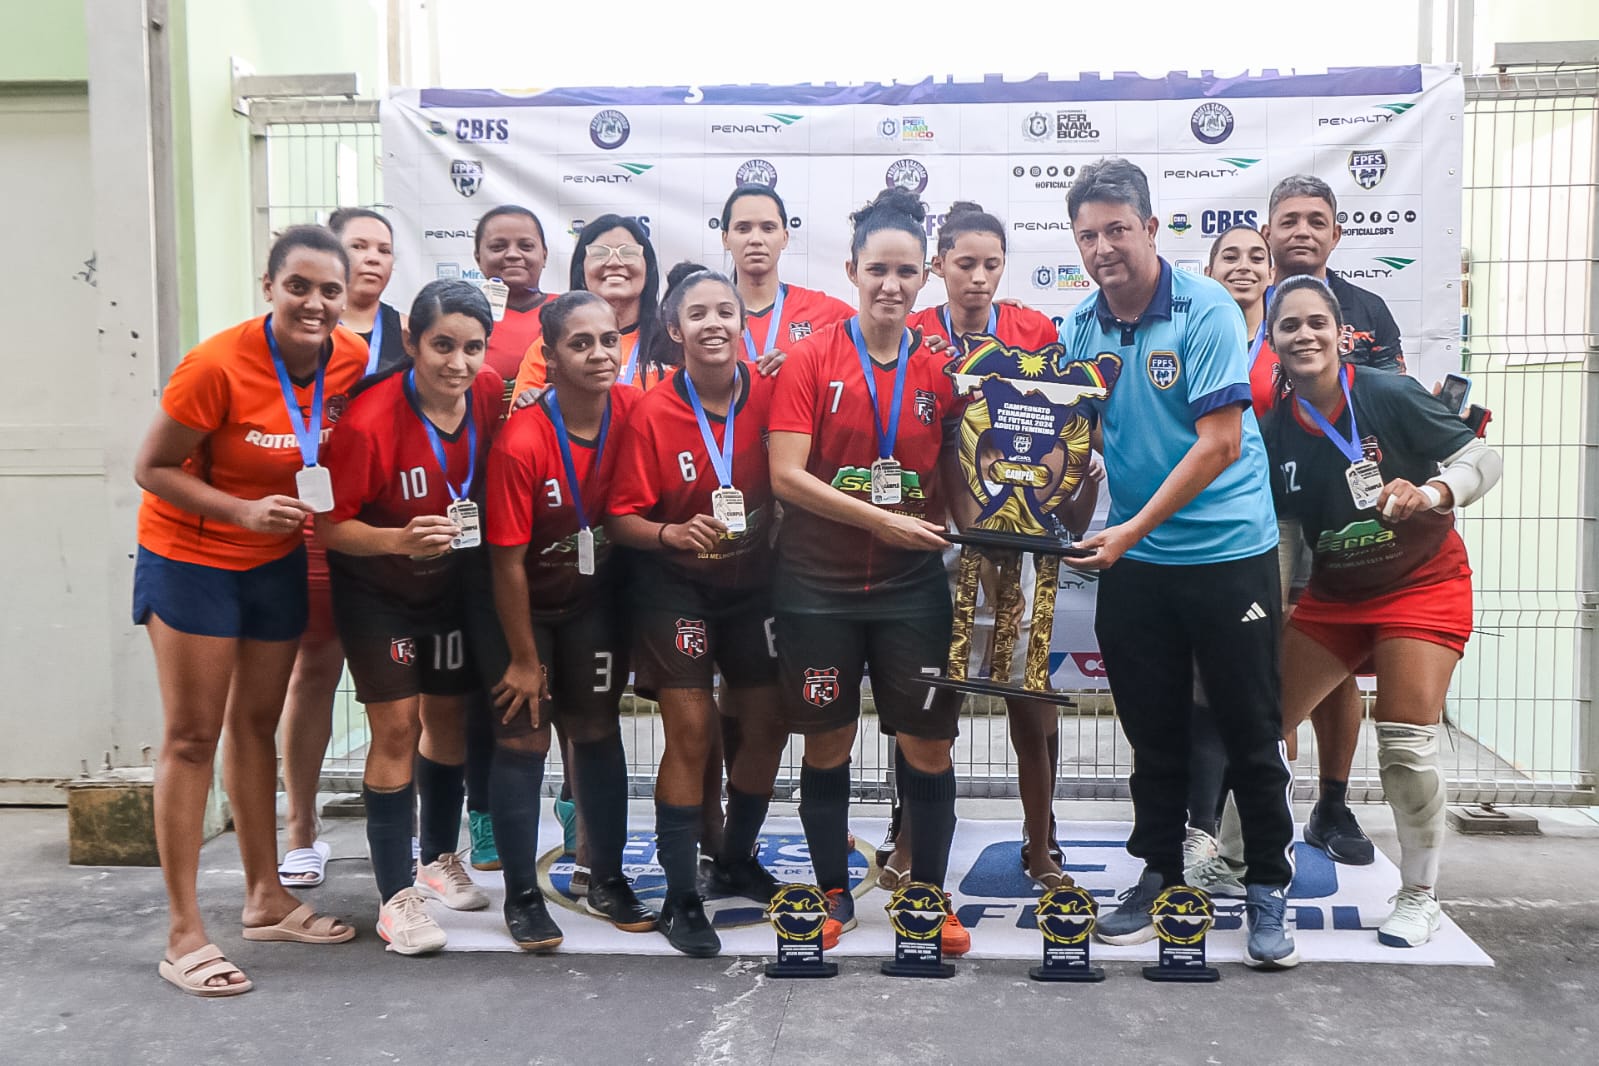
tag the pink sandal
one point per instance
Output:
(192, 972)
(303, 926)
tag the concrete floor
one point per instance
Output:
(79, 985)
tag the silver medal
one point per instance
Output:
(727, 507)
(1365, 484)
(464, 513)
(585, 552)
(314, 486)
(887, 482)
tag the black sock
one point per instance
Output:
(745, 816)
(515, 780)
(388, 837)
(479, 752)
(732, 738)
(900, 766)
(930, 799)
(601, 768)
(824, 811)
(1334, 794)
(677, 847)
(441, 789)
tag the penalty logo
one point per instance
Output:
(691, 639)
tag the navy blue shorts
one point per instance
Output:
(267, 602)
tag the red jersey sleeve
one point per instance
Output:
(508, 489)
(1032, 330)
(633, 486)
(355, 467)
(794, 401)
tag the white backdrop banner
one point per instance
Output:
(1387, 139)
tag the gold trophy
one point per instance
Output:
(1024, 450)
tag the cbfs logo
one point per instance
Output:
(1179, 223)
(1217, 221)
(907, 174)
(1368, 168)
(609, 129)
(1211, 122)
(483, 130)
(467, 176)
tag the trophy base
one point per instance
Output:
(1038, 545)
(937, 970)
(801, 970)
(979, 687)
(1080, 975)
(1194, 975)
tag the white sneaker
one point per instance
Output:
(448, 882)
(1203, 866)
(405, 923)
(1414, 920)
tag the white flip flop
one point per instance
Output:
(301, 861)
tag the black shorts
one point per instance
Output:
(821, 659)
(396, 651)
(703, 631)
(585, 653)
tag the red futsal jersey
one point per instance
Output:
(513, 335)
(1266, 381)
(530, 501)
(385, 473)
(664, 473)
(822, 392)
(1020, 327)
(805, 311)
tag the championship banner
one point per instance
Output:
(1387, 139)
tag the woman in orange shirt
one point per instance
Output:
(509, 245)
(230, 473)
(615, 260)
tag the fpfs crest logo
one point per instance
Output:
(691, 638)
(820, 687)
(1163, 369)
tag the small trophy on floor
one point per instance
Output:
(1065, 917)
(918, 912)
(797, 913)
(1024, 448)
(1183, 916)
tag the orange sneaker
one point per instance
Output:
(957, 939)
(840, 917)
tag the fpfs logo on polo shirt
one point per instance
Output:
(1163, 369)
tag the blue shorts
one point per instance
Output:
(267, 602)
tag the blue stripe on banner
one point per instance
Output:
(993, 89)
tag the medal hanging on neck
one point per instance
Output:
(313, 484)
(463, 510)
(1363, 475)
(888, 477)
(727, 503)
(574, 488)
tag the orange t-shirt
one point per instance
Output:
(227, 388)
(533, 373)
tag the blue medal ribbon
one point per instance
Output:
(949, 327)
(885, 438)
(438, 445)
(771, 328)
(629, 368)
(721, 458)
(553, 406)
(308, 434)
(1350, 447)
(374, 345)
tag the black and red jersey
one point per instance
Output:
(805, 311)
(822, 392)
(385, 473)
(529, 500)
(1019, 327)
(664, 473)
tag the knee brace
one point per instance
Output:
(1407, 761)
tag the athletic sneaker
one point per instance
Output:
(1338, 834)
(566, 812)
(527, 917)
(742, 877)
(1203, 866)
(405, 923)
(886, 848)
(1270, 946)
(480, 827)
(840, 917)
(1414, 920)
(1131, 923)
(956, 939)
(579, 886)
(448, 882)
(687, 928)
(613, 900)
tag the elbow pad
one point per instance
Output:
(1471, 472)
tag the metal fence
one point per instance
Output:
(1521, 703)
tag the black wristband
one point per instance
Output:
(660, 538)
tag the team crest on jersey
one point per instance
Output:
(333, 410)
(1163, 369)
(926, 407)
(403, 650)
(1346, 340)
(467, 176)
(821, 686)
(798, 330)
(1370, 449)
(691, 640)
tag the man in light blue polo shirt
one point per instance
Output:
(1189, 553)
